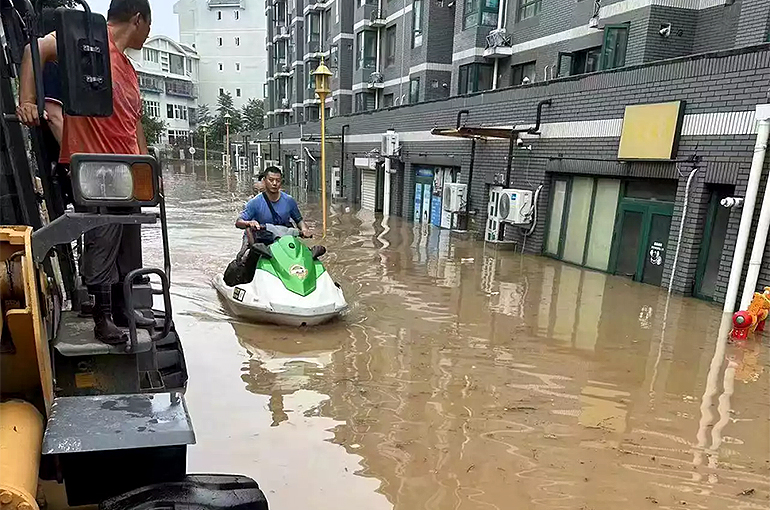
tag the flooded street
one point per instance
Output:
(462, 378)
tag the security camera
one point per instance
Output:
(731, 201)
(665, 30)
(519, 143)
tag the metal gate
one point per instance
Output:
(368, 189)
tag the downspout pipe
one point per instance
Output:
(270, 145)
(511, 144)
(342, 157)
(500, 11)
(280, 135)
(758, 249)
(460, 116)
(536, 129)
(749, 201)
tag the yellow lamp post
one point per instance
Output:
(322, 76)
(227, 141)
(205, 152)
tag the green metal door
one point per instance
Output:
(641, 237)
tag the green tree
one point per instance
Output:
(253, 114)
(218, 127)
(203, 115)
(153, 128)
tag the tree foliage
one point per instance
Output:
(253, 114)
(153, 128)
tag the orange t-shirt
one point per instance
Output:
(115, 134)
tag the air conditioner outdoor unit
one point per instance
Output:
(390, 144)
(454, 196)
(515, 206)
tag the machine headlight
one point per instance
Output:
(114, 179)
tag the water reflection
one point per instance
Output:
(464, 377)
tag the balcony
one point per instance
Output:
(283, 71)
(281, 32)
(376, 81)
(376, 19)
(150, 84)
(315, 7)
(225, 3)
(499, 44)
(180, 88)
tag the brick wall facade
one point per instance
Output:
(727, 82)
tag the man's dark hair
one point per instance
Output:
(272, 170)
(123, 10)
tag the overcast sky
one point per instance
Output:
(164, 21)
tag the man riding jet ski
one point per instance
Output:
(275, 277)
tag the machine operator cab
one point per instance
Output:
(116, 426)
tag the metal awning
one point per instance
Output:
(500, 132)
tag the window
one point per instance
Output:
(237, 41)
(327, 24)
(416, 23)
(221, 67)
(367, 49)
(581, 220)
(219, 15)
(471, 18)
(151, 55)
(313, 29)
(237, 67)
(486, 15)
(151, 108)
(527, 9)
(475, 78)
(387, 100)
(614, 48)
(219, 41)
(521, 71)
(237, 92)
(579, 62)
(390, 46)
(176, 111)
(237, 14)
(336, 12)
(176, 64)
(309, 68)
(414, 90)
(188, 62)
(364, 102)
(334, 58)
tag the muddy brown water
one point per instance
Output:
(463, 377)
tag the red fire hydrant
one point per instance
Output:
(742, 322)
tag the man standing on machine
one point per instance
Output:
(109, 249)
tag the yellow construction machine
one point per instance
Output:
(107, 424)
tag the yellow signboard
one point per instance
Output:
(651, 131)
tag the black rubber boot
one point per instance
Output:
(105, 329)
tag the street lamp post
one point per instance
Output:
(322, 76)
(205, 152)
(227, 140)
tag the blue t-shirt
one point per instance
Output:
(285, 208)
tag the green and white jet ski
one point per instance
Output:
(290, 285)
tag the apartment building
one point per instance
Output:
(229, 36)
(168, 77)
(612, 106)
(381, 54)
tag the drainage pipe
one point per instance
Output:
(749, 201)
(681, 229)
(758, 250)
(342, 158)
(500, 11)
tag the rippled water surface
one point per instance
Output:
(462, 377)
